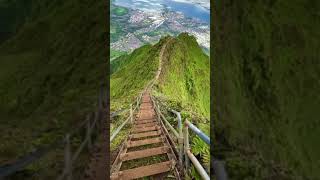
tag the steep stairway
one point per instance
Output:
(147, 152)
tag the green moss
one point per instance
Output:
(265, 83)
(50, 74)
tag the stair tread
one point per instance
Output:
(146, 134)
(141, 121)
(144, 142)
(144, 171)
(144, 153)
(144, 129)
(149, 124)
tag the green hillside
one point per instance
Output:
(266, 88)
(184, 83)
(131, 73)
(51, 70)
(185, 76)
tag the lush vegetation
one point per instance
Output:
(114, 54)
(266, 84)
(131, 73)
(183, 83)
(129, 76)
(185, 75)
(50, 74)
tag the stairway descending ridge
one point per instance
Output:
(143, 148)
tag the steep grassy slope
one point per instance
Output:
(184, 85)
(129, 76)
(185, 75)
(131, 73)
(266, 85)
(50, 73)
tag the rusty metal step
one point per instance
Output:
(144, 129)
(144, 171)
(144, 142)
(146, 125)
(144, 153)
(146, 134)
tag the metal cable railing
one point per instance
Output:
(184, 147)
(132, 111)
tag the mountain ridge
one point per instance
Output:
(172, 56)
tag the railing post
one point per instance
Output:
(158, 107)
(186, 146)
(131, 114)
(89, 133)
(67, 158)
(138, 102)
(180, 139)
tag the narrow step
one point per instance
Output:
(145, 101)
(146, 110)
(146, 125)
(144, 129)
(146, 116)
(146, 105)
(143, 121)
(144, 171)
(146, 134)
(144, 142)
(144, 153)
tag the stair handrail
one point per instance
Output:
(183, 140)
(219, 168)
(130, 117)
(188, 155)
